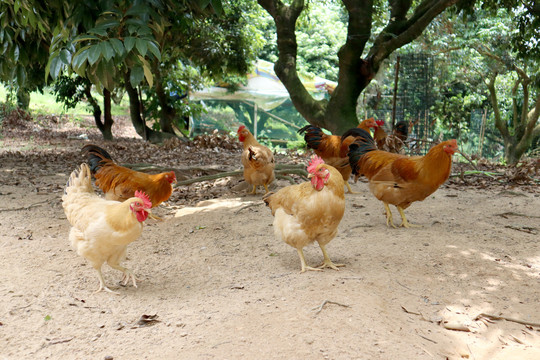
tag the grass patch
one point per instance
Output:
(46, 104)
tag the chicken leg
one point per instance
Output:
(303, 262)
(389, 220)
(404, 221)
(254, 191)
(327, 263)
(102, 286)
(349, 189)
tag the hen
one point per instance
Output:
(120, 183)
(102, 229)
(398, 179)
(310, 212)
(332, 149)
(393, 142)
(257, 159)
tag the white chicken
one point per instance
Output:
(102, 229)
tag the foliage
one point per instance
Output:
(69, 90)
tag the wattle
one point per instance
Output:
(317, 183)
(141, 215)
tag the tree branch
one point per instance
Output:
(285, 67)
(499, 123)
(397, 34)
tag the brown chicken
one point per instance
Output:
(398, 179)
(332, 149)
(257, 159)
(310, 212)
(393, 142)
(120, 183)
(102, 229)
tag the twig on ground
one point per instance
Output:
(320, 307)
(525, 229)
(511, 213)
(60, 341)
(497, 317)
(469, 160)
(26, 207)
(410, 312)
(428, 339)
(248, 206)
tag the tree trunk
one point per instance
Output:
(167, 112)
(135, 114)
(96, 111)
(355, 73)
(525, 127)
(107, 116)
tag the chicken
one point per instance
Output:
(398, 179)
(258, 161)
(102, 229)
(393, 142)
(310, 212)
(333, 149)
(120, 183)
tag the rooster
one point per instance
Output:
(310, 211)
(393, 142)
(398, 179)
(332, 148)
(102, 229)
(120, 183)
(257, 159)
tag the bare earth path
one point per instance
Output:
(221, 287)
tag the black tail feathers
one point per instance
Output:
(363, 144)
(313, 136)
(95, 155)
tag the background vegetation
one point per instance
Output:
(468, 69)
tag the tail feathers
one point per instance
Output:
(313, 136)
(363, 144)
(95, 156)
(80, 180)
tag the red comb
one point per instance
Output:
(314, 162)
(147, 204)
(242, 127)
(379, 122)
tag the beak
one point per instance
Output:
(310, 176)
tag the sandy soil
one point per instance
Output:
(221, 287)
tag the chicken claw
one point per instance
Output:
(102, 286)
(349, 189)
(303, 262)
(327, 263)
(404, 221)
(128, 274)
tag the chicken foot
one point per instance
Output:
(404, 221)
(102, 286)
(349, 189)
(128, 274)
(327, 263)
(254, 191)
(303, 262)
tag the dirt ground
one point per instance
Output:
(216, 284)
